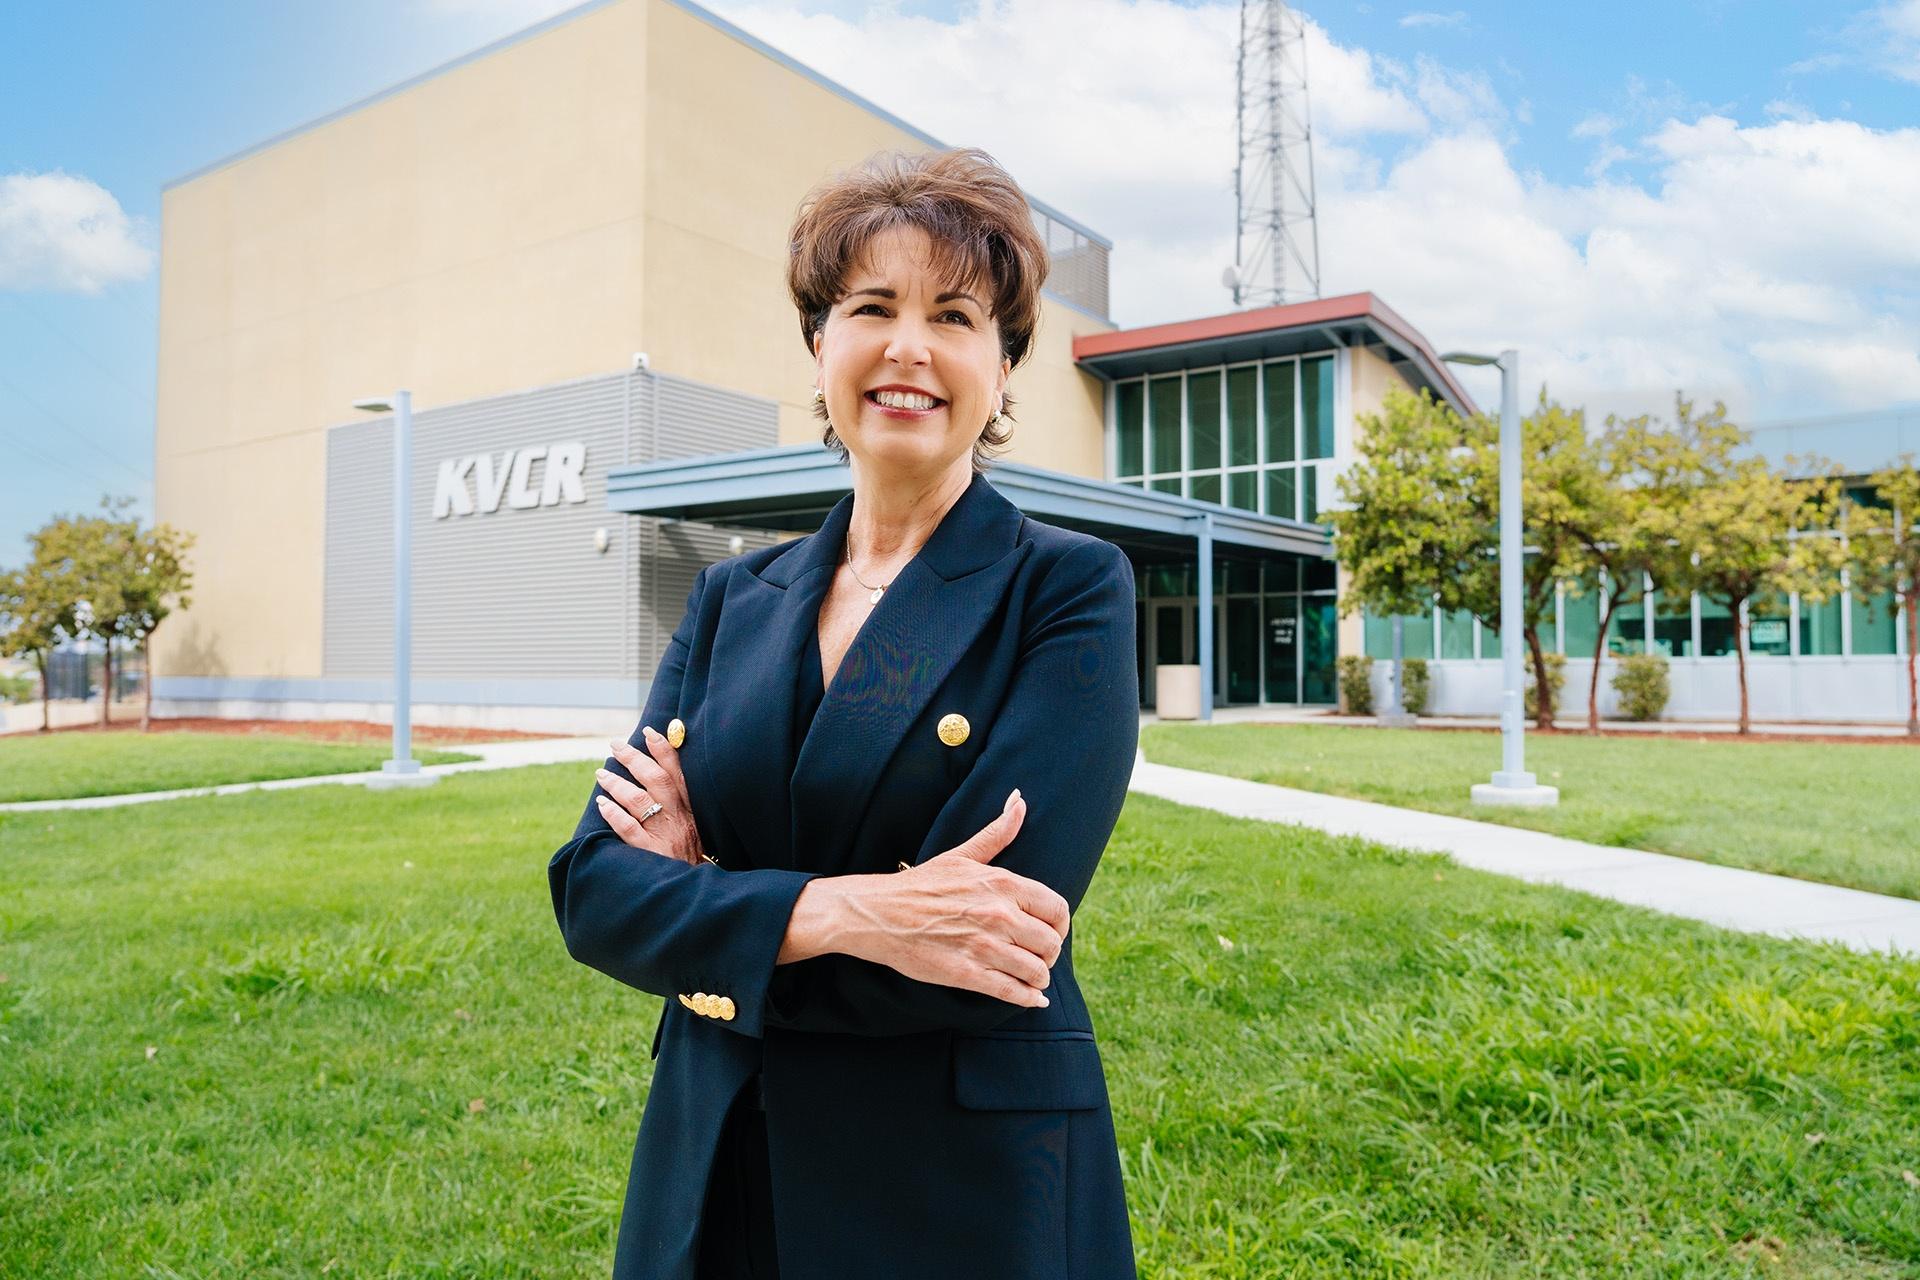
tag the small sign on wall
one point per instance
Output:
(1281, 628)
(480, 483)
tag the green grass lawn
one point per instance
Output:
(336, 1032)
(68, 766)
(1842, 813)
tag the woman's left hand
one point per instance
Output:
(671, 831)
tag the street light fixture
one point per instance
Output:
(403, 770)
(1512, 785)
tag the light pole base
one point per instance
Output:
(401, 773)
(1515, 791)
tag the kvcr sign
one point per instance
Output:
(479, 483)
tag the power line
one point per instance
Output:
(38, 318)
(111, 455)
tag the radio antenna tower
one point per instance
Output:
(1276, 246)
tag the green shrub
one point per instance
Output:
(18, 688)
(1413, 685)
(1356, 684)
(1556, 677)
(1642, 685)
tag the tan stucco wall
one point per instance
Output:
(621, 182)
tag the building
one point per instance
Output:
(1841, 659)
(569, 246)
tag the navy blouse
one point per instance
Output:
(809, 690)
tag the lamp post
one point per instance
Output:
(1512, 785)
(403, 770)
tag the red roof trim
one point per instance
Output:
(1296, 315)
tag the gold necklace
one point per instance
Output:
(874, 593)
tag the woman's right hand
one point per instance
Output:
(955, 919)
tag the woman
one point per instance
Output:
(876, 770)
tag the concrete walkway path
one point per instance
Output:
(493, 755)
(1751, 901)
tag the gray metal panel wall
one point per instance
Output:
(357, 635)
(524, 593)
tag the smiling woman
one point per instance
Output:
(953, 222)
(827, 864)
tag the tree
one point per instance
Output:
(36, 614)
(1883, 556)
(82, 551)
(1737, 535)
(1564, 495)
(1648, 476)
(1421, 521)
(153, 582)
(1408, 530)
(106, 576)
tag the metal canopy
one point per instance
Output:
(791, 488)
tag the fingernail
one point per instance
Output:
(602, 801)
(1016, 793)
(615, 745)
(1043, 1002)
(648, 730)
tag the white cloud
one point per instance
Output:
(62, 232)
(1455, 18)
(1884, 39)
(1770, 264)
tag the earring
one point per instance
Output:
(997, 415)
(819, 396)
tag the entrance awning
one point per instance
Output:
(791, 488)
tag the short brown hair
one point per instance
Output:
(981, 228)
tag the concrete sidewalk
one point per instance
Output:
(493, 755)
(1751, 901)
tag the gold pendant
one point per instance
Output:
(877, 593)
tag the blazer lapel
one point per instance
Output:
(904, 651)
(745, 722)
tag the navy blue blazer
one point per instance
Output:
(913, 1129)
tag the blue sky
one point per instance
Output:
(1580, 146)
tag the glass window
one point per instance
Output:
(1282, 648)
(1243, 575)
(1716, 629)
(1170, 484)
(1874, 623)
(1820, 626)
(1320, 633)
(1243, 648)
(1243, 444)
(1243, 490)
(1582, 616)
(1456, 634)
(1309, 493)
(1280, 492)
(1626, 629)
(1318, 575)
(1316, 407)
(1673, 624)
(1279, 407)
(1206, 487)
(1169, 580)
(1767, 625)
(1130, 416)
(1416, 637)
(1283, 575)
(1163, 424)
(1203, 422)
